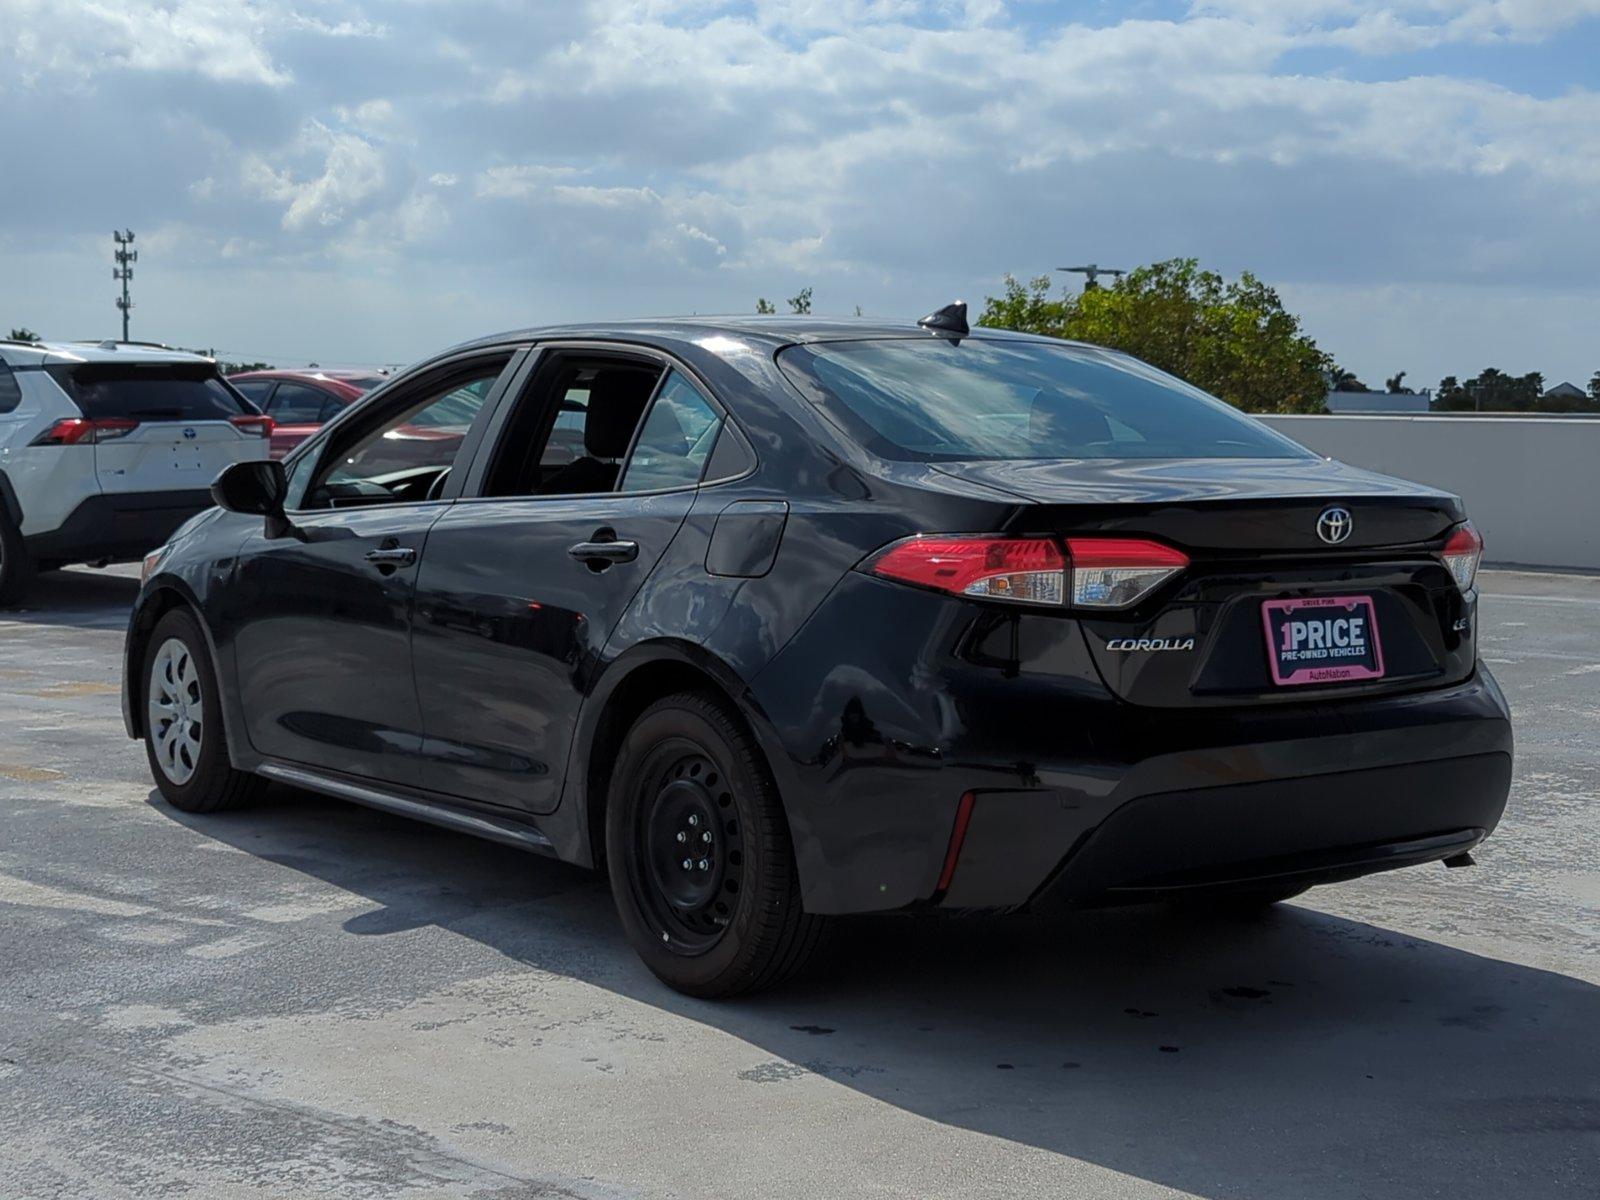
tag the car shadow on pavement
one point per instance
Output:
(1289, 1054)
(79, 597)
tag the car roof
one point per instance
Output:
(774, 332)
(68, 353)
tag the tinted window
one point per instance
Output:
(253, 390)
(934, 400)
(10, 393)
(159, 393)
(297, 404)
(675, 441)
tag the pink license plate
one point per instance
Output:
(1322, 639)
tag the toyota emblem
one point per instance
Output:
(1334, 525)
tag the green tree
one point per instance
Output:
(1394, 384)
(1028, 307)
(22, 333)
(800, 303)
(1449, 397)
(1233, 338)
(1594, 387)
(765, 307)
(1492, 391)
(1345, 381)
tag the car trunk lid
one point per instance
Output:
(1250, 530)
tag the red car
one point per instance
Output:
(301, 402)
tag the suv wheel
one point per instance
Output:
(16, 568)
(698, 850)
(183, 721)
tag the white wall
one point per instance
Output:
(1531, 484)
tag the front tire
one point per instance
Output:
(16, 567)
(183, 736)
(698, 850)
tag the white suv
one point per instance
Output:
(106, 448)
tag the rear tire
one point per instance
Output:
(183, 736)
(698, 850)
(16, 566)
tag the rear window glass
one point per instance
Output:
(934, 401)
(156, 393)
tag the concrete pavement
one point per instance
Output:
(311, 999)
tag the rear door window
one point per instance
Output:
(297, 404)
(675, 441)
(167, 392)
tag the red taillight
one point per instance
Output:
(1026, 570)
(1117, 572)
(1087, 572)
(252, 425)
(80, 431)
(1462, 553)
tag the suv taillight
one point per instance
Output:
(1087, 572)
(1462, 554)
(79, 431)
(252, 425)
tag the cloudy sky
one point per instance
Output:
(365, 181)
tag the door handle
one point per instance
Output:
(605, 553)
(393, 556)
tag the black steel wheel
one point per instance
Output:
(698, 850)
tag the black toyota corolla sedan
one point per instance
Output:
(782, 619)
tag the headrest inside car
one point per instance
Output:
(616, 401)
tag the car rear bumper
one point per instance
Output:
(1078, 797)
(1307, 830)
(118, 526)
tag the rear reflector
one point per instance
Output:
(1117, 572)
(81, 431)
(958, 834)
(1105, 573)
(252, 425)
(1462, 553)
(1024, 570)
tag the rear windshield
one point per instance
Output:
(936, 400)
(165, 392)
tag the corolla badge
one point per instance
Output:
(1150, 644)
(1334, 525)
(189, 434)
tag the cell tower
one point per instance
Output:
(124, 271)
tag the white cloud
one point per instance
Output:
(352, 170)
(682, 153)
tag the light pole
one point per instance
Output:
(124, 271)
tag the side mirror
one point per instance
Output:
(254, 488)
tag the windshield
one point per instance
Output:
(935, 400)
